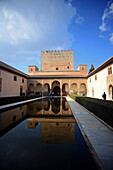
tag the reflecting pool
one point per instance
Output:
(42, 135)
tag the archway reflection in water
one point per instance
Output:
(42, 134)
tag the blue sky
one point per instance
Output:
(29, 26)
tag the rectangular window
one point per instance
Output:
(15, 78)
(0, 84)
(109, 70)
(22, 80)
(31, 69)
(95, 77)
(67, 67)
(56, 68)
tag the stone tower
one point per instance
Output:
(57, 60)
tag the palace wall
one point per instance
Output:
(10, 84)
(100, 82)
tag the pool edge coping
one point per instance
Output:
(20, 103)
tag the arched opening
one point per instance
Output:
(65, 105)
(39, 89)
(46, 105)
(74, 88)
(46, 89)
(39, 105)
(21, 90)
(65, 89)
(56, 91)
(110, 92)
(56, 105)
(83, 89)
(31, 88)
(55, 88)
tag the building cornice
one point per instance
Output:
(101, 67)
(55, 76)
(13, 70)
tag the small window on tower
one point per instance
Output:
(82, 68)
(56, 68)
(67, 67)
(31, 69)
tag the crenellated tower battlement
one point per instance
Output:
(56, 51)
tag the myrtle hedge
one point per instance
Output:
(101, 108)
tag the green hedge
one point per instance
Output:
(8, 100)
(73, 96)
(101, 108)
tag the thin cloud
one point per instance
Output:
(29, 26)
(111, 39)
(108, 14)
(107, 19)
(79, 19)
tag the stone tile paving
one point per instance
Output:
(99, 135)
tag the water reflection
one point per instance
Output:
(46, 107)
(57, 131)
(11, 118)
(47, 137)
(56, 106)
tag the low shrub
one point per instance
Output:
(101, 108)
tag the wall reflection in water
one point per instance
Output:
(11, 118)
(58, 133)
(57, 124)
(58, 130)
(55, 106)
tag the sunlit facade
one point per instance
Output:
(57, 77)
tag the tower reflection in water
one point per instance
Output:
(54, 117)
(59, 129)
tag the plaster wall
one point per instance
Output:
(97, 87)
(9, 87)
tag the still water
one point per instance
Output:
(42, 135)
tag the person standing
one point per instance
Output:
(104, 96)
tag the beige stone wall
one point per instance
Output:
(9, 87)
(57, 60)
(99, 83)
